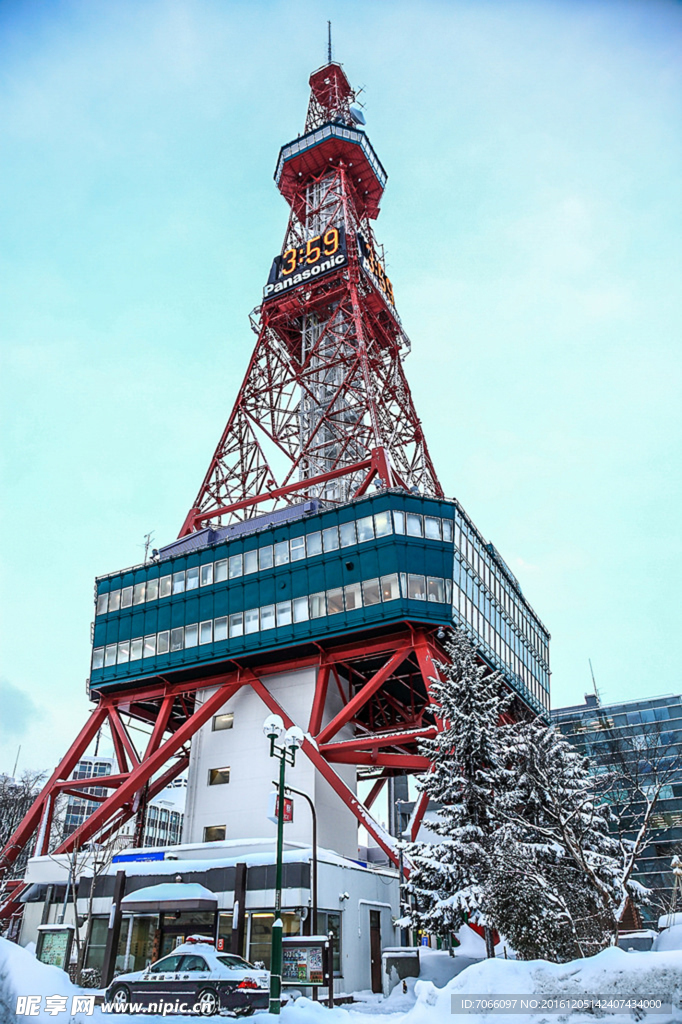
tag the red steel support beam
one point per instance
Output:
(29, 823)
(119, 728)
(195, 516)
(384, 739)
(364, 694)
(409, 762)
(144, 771)
(319, 699)
(160, 724)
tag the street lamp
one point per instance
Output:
(292, 739)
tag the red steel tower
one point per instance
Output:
(325, 387)
(319, 540)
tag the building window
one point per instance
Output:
(136, 649)
(114, 600)
(382, 524)
(435, 589)
(353, 596)
(126, 597)
(98, 657)
(282, 552)
(431, 528)
(328, 922)
(162, 642)
(267, 616)
(102, 604)
(416, 587)
(221, 570)
(251, 620)
(250, 562)
(212, 833)
(370, 592)
(149, 649)
(177, 638)
(414, 525)
(284, 613)
(297, 548)
(237, 624)
(314, 544)
(192, 579)
(206, 632)
(300, 609)
(207, 574)
(347, 534)
(365, 529)
(317, 606)
(334, 601)
(138, 593)
(390, 591)
(224, 721)
(152, 590)
(220, 629)
(179, 582)
(330, 539)
(218, 776)
(165, 586)
(191, 635)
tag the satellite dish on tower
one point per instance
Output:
(357, 115)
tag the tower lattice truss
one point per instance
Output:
(325, 386)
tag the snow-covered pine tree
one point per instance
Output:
(448, 881)
(556, 887)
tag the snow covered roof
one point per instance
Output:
(171, 896)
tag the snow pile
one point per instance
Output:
(669, 939)
(611, 972)
(22, 975)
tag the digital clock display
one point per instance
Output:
(373, 266)
(307, 261)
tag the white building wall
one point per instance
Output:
(242, 804)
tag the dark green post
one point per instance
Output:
(276, 954)
(293, 739)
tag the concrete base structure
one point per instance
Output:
(240, 753)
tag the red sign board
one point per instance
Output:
(288, 809)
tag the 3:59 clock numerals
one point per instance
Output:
(314, 249)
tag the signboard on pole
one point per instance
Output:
(305, 960)
(273, 808)
(54, 945)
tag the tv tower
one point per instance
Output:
(319, 565)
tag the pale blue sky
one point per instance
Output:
(532, 224)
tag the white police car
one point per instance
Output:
(194, 978)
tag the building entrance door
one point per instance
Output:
(375, 948)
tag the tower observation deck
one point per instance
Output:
(319, 542)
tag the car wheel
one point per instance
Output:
(209, 1003)
(120, 999)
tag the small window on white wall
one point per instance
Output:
(218, 776)
(212, 833)
(221, 722)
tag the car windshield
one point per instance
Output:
(169, 963)
(235, 962)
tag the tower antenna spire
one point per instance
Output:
(329, 42)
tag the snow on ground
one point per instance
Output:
(611, 972)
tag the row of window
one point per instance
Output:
(490, 624)
(485, 568)
(509, 622)
(358, 531)
(269, 616)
